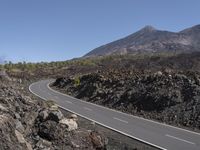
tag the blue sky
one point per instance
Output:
(50, 30)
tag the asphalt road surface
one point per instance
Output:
(156, 134)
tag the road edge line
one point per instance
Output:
(138, 139)
(124, 113)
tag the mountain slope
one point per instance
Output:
(148, 39)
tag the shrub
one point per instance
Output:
(50, 103)
(77, 81)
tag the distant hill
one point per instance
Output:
(149, 39)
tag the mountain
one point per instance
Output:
(149, 39)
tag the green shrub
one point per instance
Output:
(50, 103)
(77, 81)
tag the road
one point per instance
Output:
(156, 134)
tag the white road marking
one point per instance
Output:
(137, 117)
(120, 120)
(86, 108)
(162, 148)
(179, 139)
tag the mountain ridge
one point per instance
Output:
(150, 39)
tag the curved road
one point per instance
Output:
(156, 134)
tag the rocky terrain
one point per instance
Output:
(162, 87)
(149, 39)
(168, 96)
(27, 124)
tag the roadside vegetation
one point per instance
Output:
(88, 61)
(140, 62)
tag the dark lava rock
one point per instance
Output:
(98, 140)
(167, 96)
(47, 130)
(55, 115)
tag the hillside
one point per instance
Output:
(159, 87)
(149, 39)
(29, 123)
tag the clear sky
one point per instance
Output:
(50, 30)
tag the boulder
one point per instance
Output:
(43, 115)
(55, 115)
(74, 117)
(47, 130)
(17, 116)
(19, 126)
(70, 123)
(2, 108)
(98, 140)
(20, 137)
(21, 140)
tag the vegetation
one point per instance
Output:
(50, 103)
(77, 81)
(136, 60)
